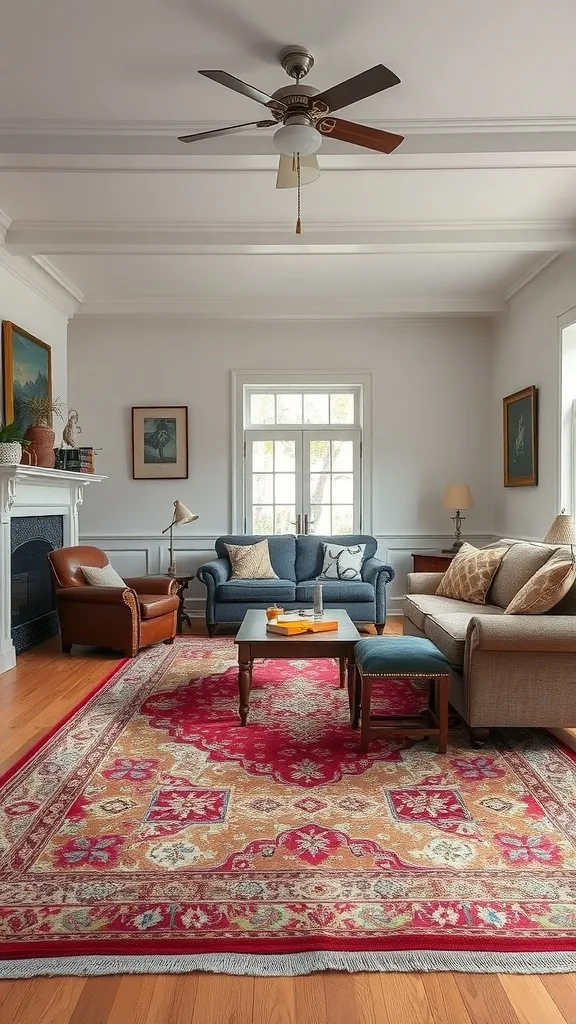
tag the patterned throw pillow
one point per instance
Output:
(545, 589)
(251, 561)
(341, 563)
(470, 574)
(104, 577)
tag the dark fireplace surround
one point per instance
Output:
(34, 615)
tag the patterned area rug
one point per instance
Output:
(151, 832)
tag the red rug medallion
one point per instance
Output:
(151, 825)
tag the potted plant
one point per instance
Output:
(11, 442)
(39, 410)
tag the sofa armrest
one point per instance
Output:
(554, 634)
(152, 584)
(374, 568)
(94, 595)
(423, 582)
(216, 572)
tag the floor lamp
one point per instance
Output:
(181, 516)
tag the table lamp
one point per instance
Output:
(562, 531)
(457, 498)
(180, 517)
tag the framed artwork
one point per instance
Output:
(521, 438)
(27, 372)
(160, 442)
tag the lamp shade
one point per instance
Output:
(457, 496)
(183, 515)
(287, 176)
(562, 531)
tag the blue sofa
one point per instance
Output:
(297, 561)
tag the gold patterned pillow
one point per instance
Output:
(470, 574)
(251, 561)
(545, 588)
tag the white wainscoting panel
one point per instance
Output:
(143, 555)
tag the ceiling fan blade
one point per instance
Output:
(226, 131)
(376, 79)
(359, 134)
(223, 78)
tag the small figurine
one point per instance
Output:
(71, 430)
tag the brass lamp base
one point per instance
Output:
(457, 519)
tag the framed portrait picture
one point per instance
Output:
(160, 442)
(521, 438)
(27, 372)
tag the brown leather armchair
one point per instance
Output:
(124, 618)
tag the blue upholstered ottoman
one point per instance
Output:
(396, 657)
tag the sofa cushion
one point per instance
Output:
(257, 591)
(417, 607)
(251, 561)
(470, 573)
(519, 564)
(153, 605)
(310, 551)
(342, 563)
(282, 551)
(545, 588)
(448, 633)
(335, 590)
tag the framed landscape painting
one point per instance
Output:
(160, 442)
(521, 438)
(27, 372)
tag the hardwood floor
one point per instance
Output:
(43, 687)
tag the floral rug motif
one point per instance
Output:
(151, 823)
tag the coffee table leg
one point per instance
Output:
(244, 681)
(342, 673)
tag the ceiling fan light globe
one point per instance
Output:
(297, 138)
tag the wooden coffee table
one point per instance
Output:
(254, 642)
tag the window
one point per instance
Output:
(301, 458)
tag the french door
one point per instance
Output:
(302, 481)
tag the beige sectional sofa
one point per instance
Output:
(507, 670)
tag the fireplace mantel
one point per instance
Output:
(33, 491)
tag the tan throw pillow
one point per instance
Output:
(470, 574)
(102, 577)
(251, 561)
(546, 588)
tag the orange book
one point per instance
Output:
(299, 626)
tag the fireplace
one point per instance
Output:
(34, 615)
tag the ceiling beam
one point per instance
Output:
(85, 239)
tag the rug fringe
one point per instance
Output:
(293, 964)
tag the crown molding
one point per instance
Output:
(275, 238)
(369, 308)
(530, 274)
(60, 277)
(39, 279)
(411, 126)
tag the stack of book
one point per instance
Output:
(75, 460)
(287, 625)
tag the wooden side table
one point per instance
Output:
(431, 561)
(181, 615)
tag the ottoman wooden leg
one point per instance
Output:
(366, 700)
(442, 712)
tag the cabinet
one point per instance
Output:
(431, 561)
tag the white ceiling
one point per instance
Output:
(96, 188)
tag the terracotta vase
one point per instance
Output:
(42, 445)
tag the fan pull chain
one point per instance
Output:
(298, 218)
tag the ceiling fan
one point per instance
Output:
(305, 115)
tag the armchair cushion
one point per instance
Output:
(105, 576)
(153, 605)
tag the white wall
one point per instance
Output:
(527, 351)
(23, 306)
(431, 393)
